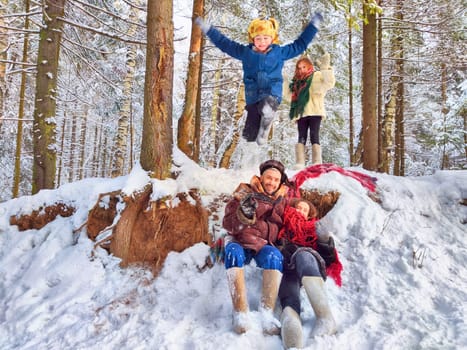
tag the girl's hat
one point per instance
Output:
(263, 26)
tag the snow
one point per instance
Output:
(404, 277)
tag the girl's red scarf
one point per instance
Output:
(302, 232)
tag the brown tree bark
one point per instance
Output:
(215, 110)
(72, 157)
(391, 142)
(230, 149)
(464, 115)
(3, 56)
(22, 93)
(157, 141)
(61, 152)
(382, 161)
(121, 138)
(444, 111)
(82, 145)
(369, 93)
(186, 132)
(399, 164)
(44, 148)
(351, 119)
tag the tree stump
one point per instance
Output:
(42, 216)
(323, 202)
(148, 230)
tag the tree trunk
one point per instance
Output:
(399, 95)
(230, 149)
(464, 115)
(197, 141)
(390, 113)
(61, 153)
(82, 144)
(444, 111)
(214, 114)
(399, 167)
(44, 149)
(22, 92)
(382, 161)
(101, 166)
(121, 138)
(369, 93)
(157, 141)
(351, 125)
(74, 133)
(147, 231)
(3, 57)
(186, 133)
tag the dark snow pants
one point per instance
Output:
(289, 290)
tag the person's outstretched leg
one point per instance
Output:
(316, 157)
(291, 324)
(270, 259)
(234, 262)
(325, 323)
(309, 272)
(268, 107)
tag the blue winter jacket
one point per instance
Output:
(262, 72)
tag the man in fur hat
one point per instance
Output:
(253, 218)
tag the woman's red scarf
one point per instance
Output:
(296, 229)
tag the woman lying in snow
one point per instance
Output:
(307, 261)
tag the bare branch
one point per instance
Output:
(20, 63)
(85, 47)
(18, 30)
(38, 12)
(109, 13)
(141, 8)
(91, 67)
(106, 24)
(109, 35)
(17, 119)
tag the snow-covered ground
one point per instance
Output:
(404, 279)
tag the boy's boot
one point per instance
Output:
(268, 112)
(299, 156)
(291, 331)
(236, 281)
(271, 282)
(316, 154)
(325, 324)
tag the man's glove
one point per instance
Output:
(327, 251)
(316, 19)
(205, 26)
(248, 206)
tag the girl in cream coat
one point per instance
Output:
(306, 93)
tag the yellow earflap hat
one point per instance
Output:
(263, 26)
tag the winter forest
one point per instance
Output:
(88, 88)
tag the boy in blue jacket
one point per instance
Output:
(262, 61)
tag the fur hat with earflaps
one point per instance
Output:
(264, 26)
(275, 164)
